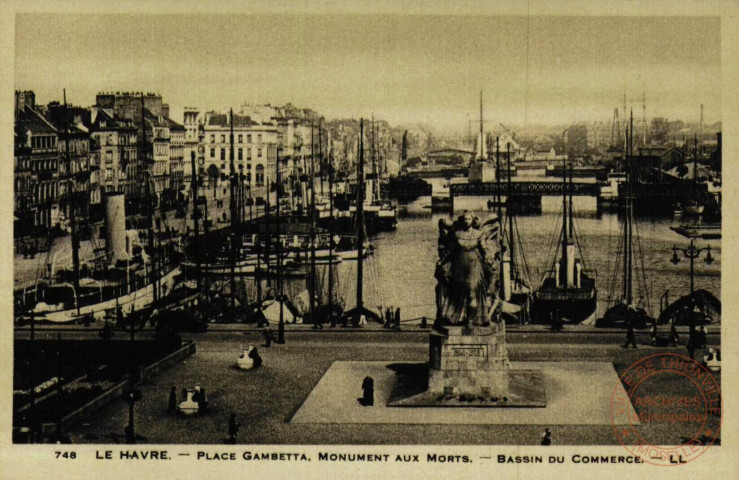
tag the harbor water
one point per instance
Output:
(401, 273)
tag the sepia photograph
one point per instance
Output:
(373, 229)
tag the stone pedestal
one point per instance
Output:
(469, 363)
(470, 367)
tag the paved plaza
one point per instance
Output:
(269, 402)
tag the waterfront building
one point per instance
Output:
(192, 142)
(36, 165)
(116, 140)
(255, 150)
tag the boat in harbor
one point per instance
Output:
(516, 286)
(624, 309)
(567, 290)
(709, 231)
(360, 310)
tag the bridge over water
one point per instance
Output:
(525, 189)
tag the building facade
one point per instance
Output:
(254, 152)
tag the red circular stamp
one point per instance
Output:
(667, 396)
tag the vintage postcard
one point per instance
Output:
(352, 240)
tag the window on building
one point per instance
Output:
(241, 153)
(248, 138)
(223, 154)
(248, 154)
(108, 157)
(260, 176)
(223, 139)
(259, 138)
(212, 153)
(212, 139)
(241, 138)
(259, 152)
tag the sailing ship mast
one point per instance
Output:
(360, 216)
(330, 232)
(149, 208)
(628, 288)
(196, 218)
(71, 197)
(312, 229)
(280, 284)
(482, 134)
(511, 238)
(233, 213)
(563, 268)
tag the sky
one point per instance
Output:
(402, 68)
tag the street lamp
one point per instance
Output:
(691, 253)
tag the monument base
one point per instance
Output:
(469, 368)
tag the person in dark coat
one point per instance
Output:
(233, 429)
(388, 318)
(267, 336)
(172, 405)
(254, 355)
(202, 402)
(630, 339)
(368, 392)
(397, 319)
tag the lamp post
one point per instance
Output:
(691, 253)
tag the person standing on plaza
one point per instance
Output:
(233, 429)
(630, 339)
(172, 405)
(397, 319)
(388, 317)
(202, 402)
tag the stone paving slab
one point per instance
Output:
(578, 393)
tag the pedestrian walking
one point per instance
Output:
(267, 336)
(233, 429)
(691, 350)
(397, 319)
(388, 317)
(172, 405)
(630, 339)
